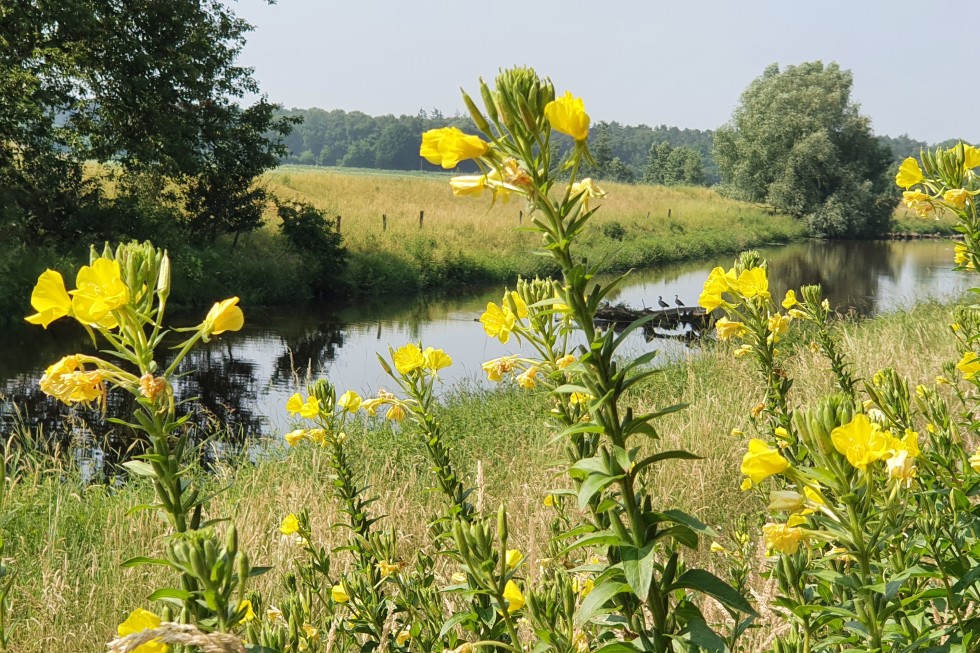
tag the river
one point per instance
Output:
(244, 378)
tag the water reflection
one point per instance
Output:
(243, 379)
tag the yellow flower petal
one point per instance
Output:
(567, 115)
(909, 173)
(49, 298)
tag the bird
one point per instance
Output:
(677, 300)
(663, 304)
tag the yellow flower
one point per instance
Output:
(513, 558)
(387, 569)
(861, 441)
(309, 409)
(975, 461)
(746, 484)
(498, 322)
(310, 631)
(969, 365)
(783, 538)
(138, 621)
(549, 500)
(567, 115)
(727, 329)
(762, 461)
(583, 587)
(396, 413)
(918, 201)
(758, 409)
(408, 358)
(513, 596)
(448, 146)
(960, 257)
(527, 379)
(908, 443)
(753, 283)
(223, 316)
(272, 613)
(901, 467)
(781, 433)
(512, 301)
(49, 298)
(99, 290)
(295, 437)
(564, 361)
(350, 401)
(403, 636)
(717, 548)
(579, 398)
(249, 612)
(339, 594)
(289, 525)
(497, 367)
(971, 157)
(67, 381)
(436, 359)
(468, 185)
(958, 197)
(589, 191)
(743, 350)
(813, 496)
(779, 324)
(152, 387)
(909, 174)
(718, 282)
(790, 300)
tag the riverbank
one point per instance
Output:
(65, 545)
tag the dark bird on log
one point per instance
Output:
(663, 304)
(677, 300)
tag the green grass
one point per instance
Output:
(65, 544)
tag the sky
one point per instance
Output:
(682, 63)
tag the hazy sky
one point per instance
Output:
(682, 63)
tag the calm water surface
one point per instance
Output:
(245, 378)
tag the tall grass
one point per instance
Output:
(66, 543)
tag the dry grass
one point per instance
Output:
(68, 544)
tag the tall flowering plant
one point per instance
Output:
(120, 299)
(643, 595)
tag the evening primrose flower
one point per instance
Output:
(785, 501)
(909, 173)
(589, 191)
(790, 300)
(448, 146)
(564, 361)
(468, 185)
(513, 558)
(728, 329)
(861, 441)
(436, 359)
(971, 157)
(387, 569)
(743, 350)
(969, 365)
(960, 257)
(249, 611)
(339, 594)
(295, 437)
(138, 621)
(498, 322)
(403, 636)
(718, 282)
(498, 367)
(549, 500)
(99, 290)
(782, 538)
(901, 467)
(49, 298)
(762, 461)
(513, 301)
(919, 202)
(309, 409)
(408, 358)
(753, 283)
(513, 596)
(975, 461)
(350, 401)
(289, 525)
(527, 379)
(69, 382)
(567, 115)
(779, 324)
(396, 413)
(958, 197)
(223, 316)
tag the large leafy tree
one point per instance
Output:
(798, 142)
(150, 85)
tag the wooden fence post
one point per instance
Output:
(668, 213)
(520, 217)
(338, 224)
(421, 218)
(384, 222)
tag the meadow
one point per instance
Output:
(65, 542)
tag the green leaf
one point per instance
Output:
(697, 631)
(638, 567)
(455, 620)
(594, 464)
(171, 593)
(695, 524)
(593, 484)
(676, 454)
(139, 468)
(601, 538)
(707, 583)
(598, 598)
(143, 560)
(617, 647)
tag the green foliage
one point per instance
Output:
(317, 241)
(673, 165)
(797, 142)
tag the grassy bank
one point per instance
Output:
(66, 544)
(464, 240)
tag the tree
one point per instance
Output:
(88, 80)
(673, 165)
(798, 142)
